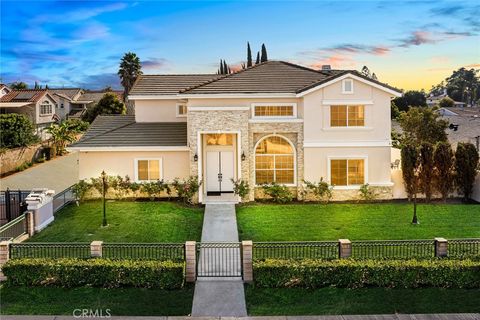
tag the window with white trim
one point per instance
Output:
(46, 108)
(347, 172)
(274, 161)
(181, 110)
(274, 110)
(347, 86)
(347, 116)
(148, 169)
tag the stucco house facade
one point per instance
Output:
(273, 122)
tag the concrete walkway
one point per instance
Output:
(216, 297)
(57, 174)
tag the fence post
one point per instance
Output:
(441, 247)
(190, 261)
(4, 256)
(96, 249)
(344, 248)
(247, 260)
(30, 221)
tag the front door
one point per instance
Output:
(220, 172)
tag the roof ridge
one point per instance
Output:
(224, 77)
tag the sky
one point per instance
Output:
(410, 45)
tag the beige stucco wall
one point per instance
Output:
(175, 164)
(157, 111)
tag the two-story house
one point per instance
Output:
(273, 122)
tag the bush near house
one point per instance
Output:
(69, 273)
(312, 274)
(277, 192)
(17, 131)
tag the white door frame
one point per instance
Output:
(199, 153)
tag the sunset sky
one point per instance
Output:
(410, 45)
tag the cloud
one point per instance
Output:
(79, 14)
(417, 38)
(99, 81)
(154, 63)
(474, 66)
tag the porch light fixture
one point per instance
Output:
(195, 157)
(243, 156)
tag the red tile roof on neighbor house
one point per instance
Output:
(25, 95)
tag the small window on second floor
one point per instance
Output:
(347, 86)
(274, 110)
(45, 108)
(181, 110)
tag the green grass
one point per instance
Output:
(128, 221)
(127, 301)
(295, 301)
(304, 222)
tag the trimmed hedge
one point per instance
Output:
(105, 273)
(347, 273)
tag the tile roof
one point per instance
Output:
(123, 131)
(95, 96)
(168, 84)
(24, 95)
(69, 92)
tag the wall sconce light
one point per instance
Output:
(243, 156)
(195, 157)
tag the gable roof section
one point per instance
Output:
(123, 131)
(68, 92)
(168, 84)
(26, 95)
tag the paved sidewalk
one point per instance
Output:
(219, 296)
(446, 316)
(57, 174)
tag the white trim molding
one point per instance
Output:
(129, 149)
(135, 168)
(206, 108)
(274, 104)
(357, 144)
(344, 102)
(276, 120)
(153, 97)
(235, 95)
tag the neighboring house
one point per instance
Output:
(87, 100)
(66, 97)
(273, 122)
(435, 100)
(37, 104)
(4, 89)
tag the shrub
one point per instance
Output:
(466, 164)
(77, 125)
(443, 177)
(321, 190)
(366, 193)
(426, 170)
(154, 188)
(363, 273)
(24, 166)
(105, 273)
(446, 102)
(241, 188)
(187, 189)
(41, 159)
(16, 131)
(279, 193)
(108, 104)
(80, 189)
(409, 155)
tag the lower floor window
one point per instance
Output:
(346, 172)
(149, 169)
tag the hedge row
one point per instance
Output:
(364, 273)
(94, 272)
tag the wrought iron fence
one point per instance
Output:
(398, 249)
(14, 228)
(219, 259)
(296, 250)
(150, 251)
(12, 204)
(49, 250)
(63, 198)
(464, 248)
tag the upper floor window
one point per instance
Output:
(148, 169)
(347, 116)
(181, 110)
(347, 86)
(347, 172)
(45, 108)
(274, 110)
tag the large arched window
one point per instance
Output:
(274, 161)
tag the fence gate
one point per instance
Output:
(12, 205)
(219, 259)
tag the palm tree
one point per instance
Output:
(130, 69)
(61, 135)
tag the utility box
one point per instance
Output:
(40, 202)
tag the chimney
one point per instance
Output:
(326, 67)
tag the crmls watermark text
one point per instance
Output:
(91, 313)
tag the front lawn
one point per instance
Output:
(128, 221)
(295, 301)
(308, 222)
(124, 301)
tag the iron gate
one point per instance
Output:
(12, 205)
(219, 259)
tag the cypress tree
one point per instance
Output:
(249, 55)
(410, 168)
(466, 164)
(225, 67)
(426, 170)
(258, 58)
(221, 67)
(443, 159)
(264, 57)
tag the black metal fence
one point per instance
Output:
(295, 250)
(12, 204)
(464, 248)
(14, 228)
(63, 198)
(393, 249)
(147, 251)
(219, 259)
(49, 250)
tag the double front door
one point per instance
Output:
(220, 171)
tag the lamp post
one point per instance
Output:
(104, 189)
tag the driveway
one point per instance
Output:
(57, 174)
